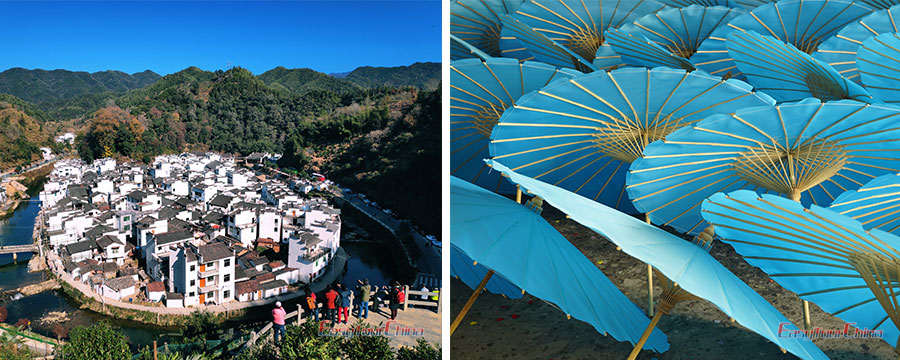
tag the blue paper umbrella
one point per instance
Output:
(669, 37)
(522, 42)
(786, 73)
(579, 25)
(636, 50)
(738, 4)
(470, 273)
(515, 241)
(460, 49)
(810, 151)
(802, 23)
(839, 50)
(826, 258)
(875, 205)
(477, 24)
(583, 133)
(479, 93)
(688, 264)
(878, 59)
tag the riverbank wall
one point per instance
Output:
(165, 317)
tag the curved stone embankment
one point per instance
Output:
(159, 315)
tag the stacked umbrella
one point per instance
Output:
(650, 107)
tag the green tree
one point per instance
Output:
(367, 347)
(304, 342)
(96, 342)
(422, 351)
(200, 327)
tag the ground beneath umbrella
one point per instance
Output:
(528, 328)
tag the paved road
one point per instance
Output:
(410, 325)
(27, 169)
(429, 262)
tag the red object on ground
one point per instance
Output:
(530, 302)
(514, 316)
(504, 307)
(499, 319)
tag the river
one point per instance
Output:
(367, 261)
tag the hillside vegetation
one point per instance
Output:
(21, 131)
(48, 88)
(376, 130)
(421, 75)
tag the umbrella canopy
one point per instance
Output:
(581, 134)
(737, 4)
(874, 205)
(477, 22)
(579, 25)
(839, 51)
(479, 92)
(636, 50)
(689, 265)
(522, 42)
(878, 60)
(809, 150)
(470, 273)
(802, 23)
(786, 73)
(824, 257)
(674, 35)
(516, 242)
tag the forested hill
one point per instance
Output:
(423, 75)
(22, 131)
(303, 80)
(44, 88)
(233, 111)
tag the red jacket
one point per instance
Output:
(330, 296)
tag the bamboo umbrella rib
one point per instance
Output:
(588, 180)
(831, 236)
(568, 163)
(809, 240)
(695, 205)
(579, 169)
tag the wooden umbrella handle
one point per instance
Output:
(465, 309)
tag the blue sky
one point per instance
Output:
(333, 36)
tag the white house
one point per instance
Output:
(118, 288)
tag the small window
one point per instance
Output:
(126, 218)
(227, 262)
(211, 278)
(210, 294)
(191, 294)
(193, 267)
(227, 278)
(193, 282)
(226, 294)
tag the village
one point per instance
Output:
(188, 230)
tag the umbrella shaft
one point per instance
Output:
(465, 309)
(645, 335)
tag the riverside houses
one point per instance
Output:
(188, 230)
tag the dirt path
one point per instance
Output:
(696, 329)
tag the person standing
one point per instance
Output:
(394, 300)
(344, 310)
(278, 315)
(312, 308)
(364, 295)
(330, 298)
